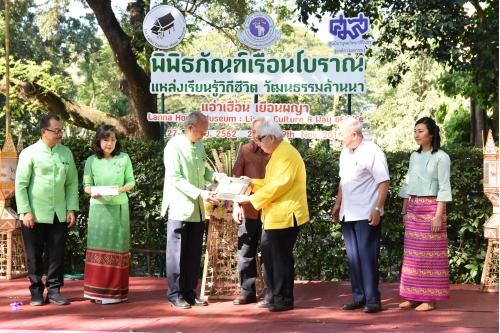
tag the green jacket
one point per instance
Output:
(185, 177)
(46, 182)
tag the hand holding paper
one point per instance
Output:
(221, 177)
(209, 197)
(103, 190)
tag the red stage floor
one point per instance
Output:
(317, 309)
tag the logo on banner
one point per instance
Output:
(259, 31)
(349, 33)
(164, 27)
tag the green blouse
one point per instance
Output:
(428, 175)
(114, 172)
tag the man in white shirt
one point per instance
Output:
(359, 206)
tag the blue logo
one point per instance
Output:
(349, 28)
(349, 33)
(259, 31)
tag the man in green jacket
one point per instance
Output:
(46, 197)
(183, 196)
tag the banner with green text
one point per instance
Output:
(172, 73)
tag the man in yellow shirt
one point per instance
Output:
(283, 199)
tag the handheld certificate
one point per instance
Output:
(104, 190)
(232, 188)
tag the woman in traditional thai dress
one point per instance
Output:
(106, 278)
(424, 276)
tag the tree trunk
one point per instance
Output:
(135, 84)
(78, 114)
(478, 125)
(141, 100)
(495, 119)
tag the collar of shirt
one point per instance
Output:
(256, 149)
(362, 143)
(185, 139)
(42, 146)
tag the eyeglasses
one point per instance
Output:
(260, 138)
(205, 133)
(56, 131)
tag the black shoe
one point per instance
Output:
(36, 300)
(56, 299)
(372, 308)
(353, 305)
(264, 304)
(196, 302)
(240, 300)
(280, 307)
(179, 304)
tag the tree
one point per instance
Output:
(131, 54)
(37, 87)
(462, 38)
(398, 108)
(41, 59)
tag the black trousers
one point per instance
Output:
(362, 243)
(249, 234)
(279, 263)
(51, 237)
(184, 247)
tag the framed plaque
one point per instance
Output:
(232, 188)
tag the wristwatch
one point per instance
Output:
(378, 209)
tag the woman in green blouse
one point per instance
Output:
(106, 278)
(427, 189)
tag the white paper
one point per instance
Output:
(104, 190)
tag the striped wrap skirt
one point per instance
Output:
(424, 276)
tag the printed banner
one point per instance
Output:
(172, 73)
(233, 134)
(235, 113)
(223, 117)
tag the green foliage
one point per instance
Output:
(397, 109)
(461, 36)
(456, 121)
(223, 160)
(100, 76)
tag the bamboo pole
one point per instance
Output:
(7, 71)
